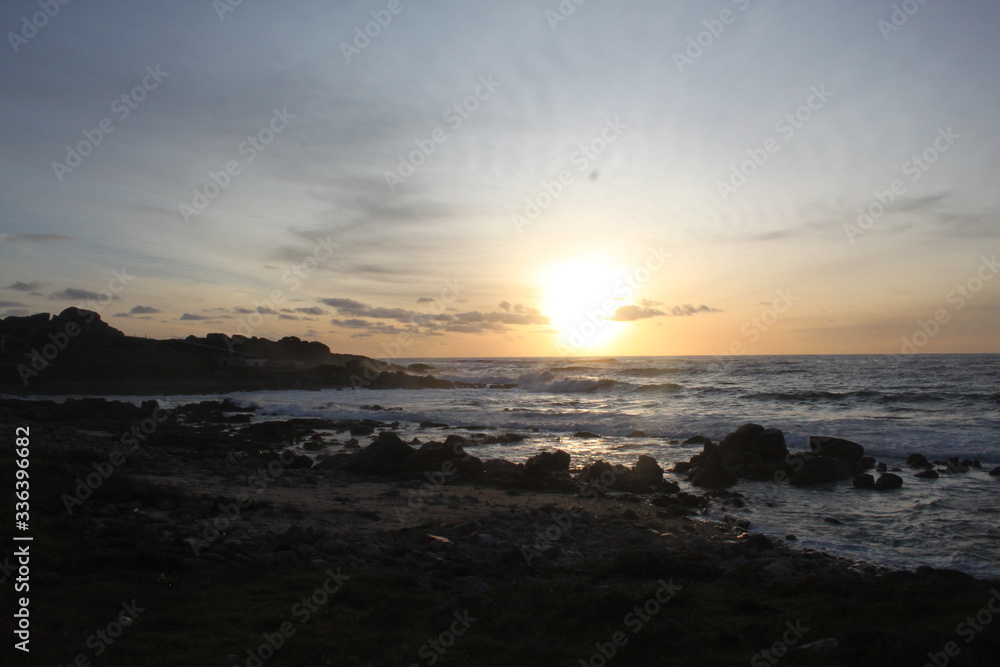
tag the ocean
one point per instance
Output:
(939, 405)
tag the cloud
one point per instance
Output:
(12, 304)
(193, 318)
(264, 310)
(243, 311)
(312, 310)
(686, 310)
(75, 294)
(285, 316)
(425, 299)
(33, 286)
(139, 310)
(632, 313)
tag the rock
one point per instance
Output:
(382, 457)
(372, 551)
(995, 472)
(544, 463)
(865, 481)
(824, 469)
(598, 472)
(918, 461)
(753, 444)
(585, 434)
(822, 445)
(443, 457)
(648, 470)
(927, 474)
(888, 481)
(697, 440)
(881, 467)
(713, 475)
(636, 434)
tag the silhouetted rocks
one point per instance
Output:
(823, 470)
(822, 445)
(448, 458)
(927, 474)
(888, 481)
(544, 463)
(918, 461)
(865, 481)
(382, 457)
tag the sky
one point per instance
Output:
(406, 179)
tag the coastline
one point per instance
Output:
(208, 499)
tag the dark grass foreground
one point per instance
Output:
(196, 611)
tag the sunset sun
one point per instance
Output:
(579, 298)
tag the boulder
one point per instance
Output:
(930, 473)
(443, 457)
(382, 457)
(865, 481)
(713, 475)
(752, 444)
(544, 463)
(836, 447)
(824, 469)
(918, 461)
(995, 472)
(888, 481)
(648, 470)
(585, 435)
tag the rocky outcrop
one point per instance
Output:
(384, 456)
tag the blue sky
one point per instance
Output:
(636, 117)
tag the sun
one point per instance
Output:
(580, 298)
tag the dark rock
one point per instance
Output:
(881, 467)
(824, 469)
(443, 457)
(585, 434)
(648, 470)
(927, 474)
(637, 434)
(713, 475)
(832, 521)
(599, 472)
(383, 456)
(753, 444)
(547, 462)
(918, 461)
(836, 447)
(865, 481)
(888, 481)
(697, 440)
(995, 472)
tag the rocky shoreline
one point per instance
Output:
(204, 486)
